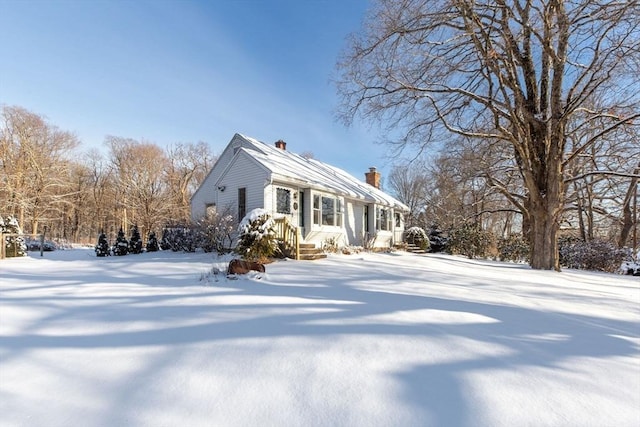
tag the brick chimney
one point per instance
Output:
(281, 145)
(372, 177)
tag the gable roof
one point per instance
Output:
(314, 174)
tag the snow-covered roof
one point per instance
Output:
(312, 173)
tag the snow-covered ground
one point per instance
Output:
(361, 340)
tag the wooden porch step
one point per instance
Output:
(309, 252)
(415, 249)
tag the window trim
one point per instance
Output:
(242, 203)
(287, 202)
(320, 216)
(384, 220)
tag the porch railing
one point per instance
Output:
(289, 236)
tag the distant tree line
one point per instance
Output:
(47, 180)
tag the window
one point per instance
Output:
(242, 203)
(383, 219)
(366, 219)
(327, 211)
(301, 210)
(283, 201)
(398, 220)
(316, 209)
(210, 210)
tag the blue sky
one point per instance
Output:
(171, 71)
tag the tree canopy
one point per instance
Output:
(522, 78)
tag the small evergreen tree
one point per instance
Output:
(15, 246)
(152, 242)
(135, 242)
(165, 242)
(122, 246)
(257, 240)
(437, 242)
(102, 248)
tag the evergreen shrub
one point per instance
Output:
(102, 247)
(470, 240)
(257, 236)
(417, 236)
(15, 246)
(514, 248)
(135, 242)
(152, 243)
(122, 245)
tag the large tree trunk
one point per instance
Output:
(543, 239)
(546, 197)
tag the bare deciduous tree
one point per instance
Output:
(525, 72)
(138, 168)
(35, 162)
(187, 166)
(408, 181)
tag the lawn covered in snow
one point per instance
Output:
(361, 340)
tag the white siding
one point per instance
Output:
(353, 221)
(205, 195)
(208, 192)
(246, 173)
(270, 200)
(256, 164)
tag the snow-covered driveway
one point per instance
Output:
(362, 340)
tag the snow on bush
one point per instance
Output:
(135, 242)
(257, 236)
(122, 245)
(216, 232)
(180, 237)
(596, 254)
(470, 240)
(514, 248)
(152, 243)
(15, 246)
(417, 236)
(102, 247)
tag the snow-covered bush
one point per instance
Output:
(102, 247)
(216, 231)
(514, 248)
(15, 246)
(596, 254)
(417, 236)
(257, 236)
(470, 240)
(152, 243)
(135, 242)
(180, 237)
(631, 264)
(122, 245)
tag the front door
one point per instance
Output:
(301, 213)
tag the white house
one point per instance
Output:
(322, 201)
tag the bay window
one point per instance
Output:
(327, 210)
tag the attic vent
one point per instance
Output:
(281, 145)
